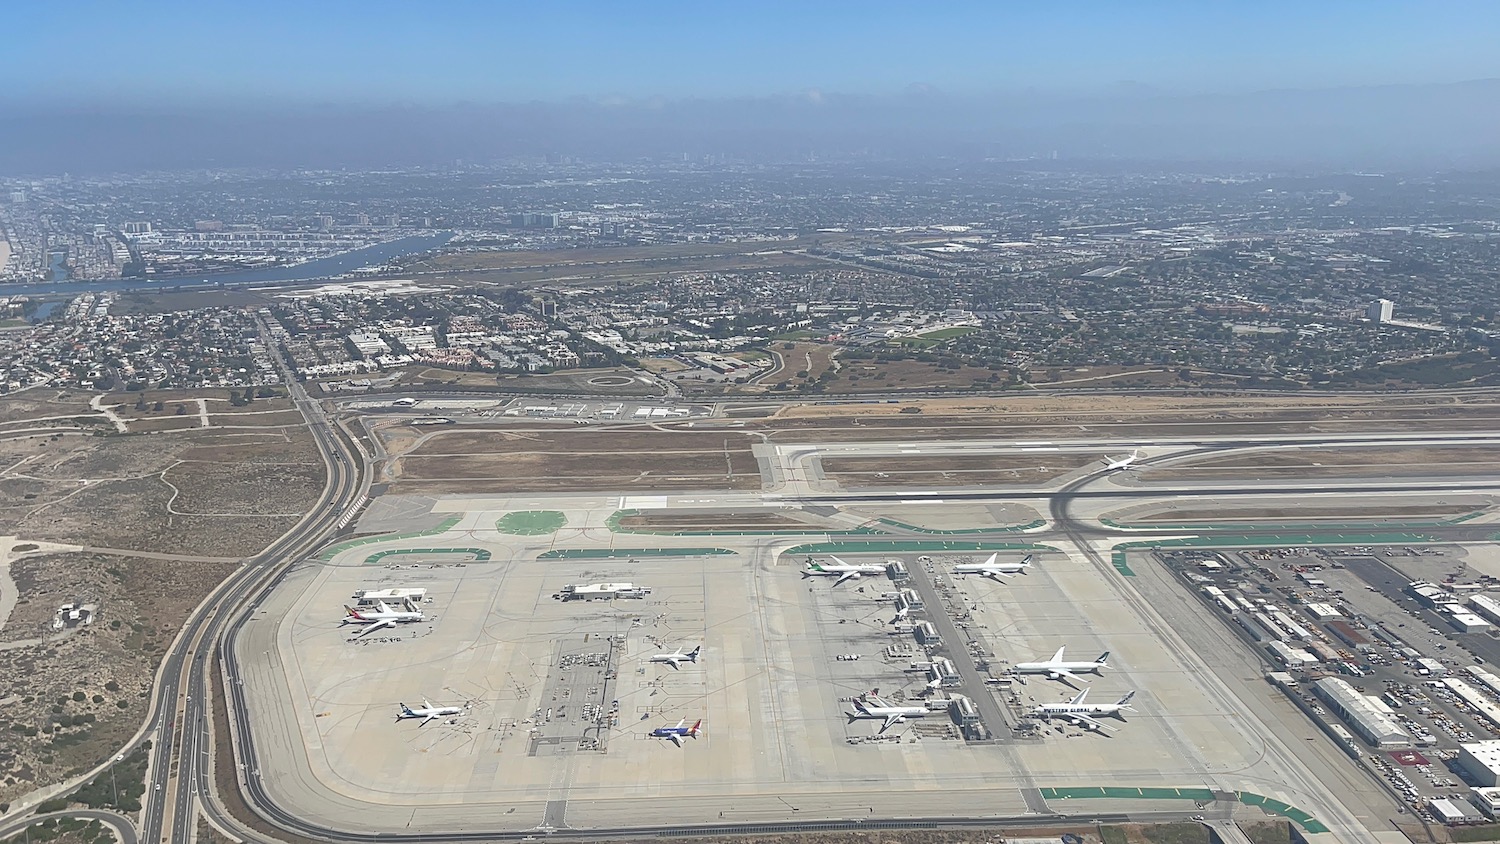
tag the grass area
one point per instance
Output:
(1176, 833)
(479, 555)
(949, 333)
(1482, 832)
(335, 550)
(531, 522)
(1267, 832)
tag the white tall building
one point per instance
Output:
(1380, 310)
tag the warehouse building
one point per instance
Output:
(1481, 760)
(1369, 716)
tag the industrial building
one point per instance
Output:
(1485, 606)
(1481, 760)
(601, 592)
(1369, 716)
(371, 597)
(1466, 622)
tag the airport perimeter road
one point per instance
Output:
(180, 717)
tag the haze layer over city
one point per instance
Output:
(836, 423)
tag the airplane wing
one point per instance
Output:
(1060, 673)
(877, 700)
(848, 575)
(1086, 722)
(1057, 657)
(676, 738)
(387, 622)
(997, 574)
(425, 720)
(890, 720)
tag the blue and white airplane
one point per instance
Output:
(677, 733)
(428, 712)
(677, 658)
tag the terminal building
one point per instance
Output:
(1370, 717)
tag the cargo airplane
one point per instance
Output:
(873, 706)
(427, 712)
(1081, 713)
(677, 658)
(842, 570)
(381, 617)
(993, 568)
(678, 733)
(1057, 668)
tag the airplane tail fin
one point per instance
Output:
(693, 654)
(696, 725)
(1125, 701)
(1103, 659)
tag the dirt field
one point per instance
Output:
(41, 403)
(1236, 514)
(74, 699)
(1333, 463)
(526, 459)
(117, 491)
(941, 470)
(868, 376)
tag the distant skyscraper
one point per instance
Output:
(393, 221)
(1380, 310)
(325, 222)
(137, 228)
(362, 219)
(18, 197)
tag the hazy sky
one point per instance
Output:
(441, 52)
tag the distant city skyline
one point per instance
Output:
(178, 53)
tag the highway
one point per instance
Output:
(180, 717)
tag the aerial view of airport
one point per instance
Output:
(448, 453)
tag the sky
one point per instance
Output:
(443, 52)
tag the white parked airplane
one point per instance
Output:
(842, 570)
(873, 706)
(677, 658)
(427, 712)
(1123, 463)
(1057, 668)
(993, 568)
(1081, 713)
(380, 617)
